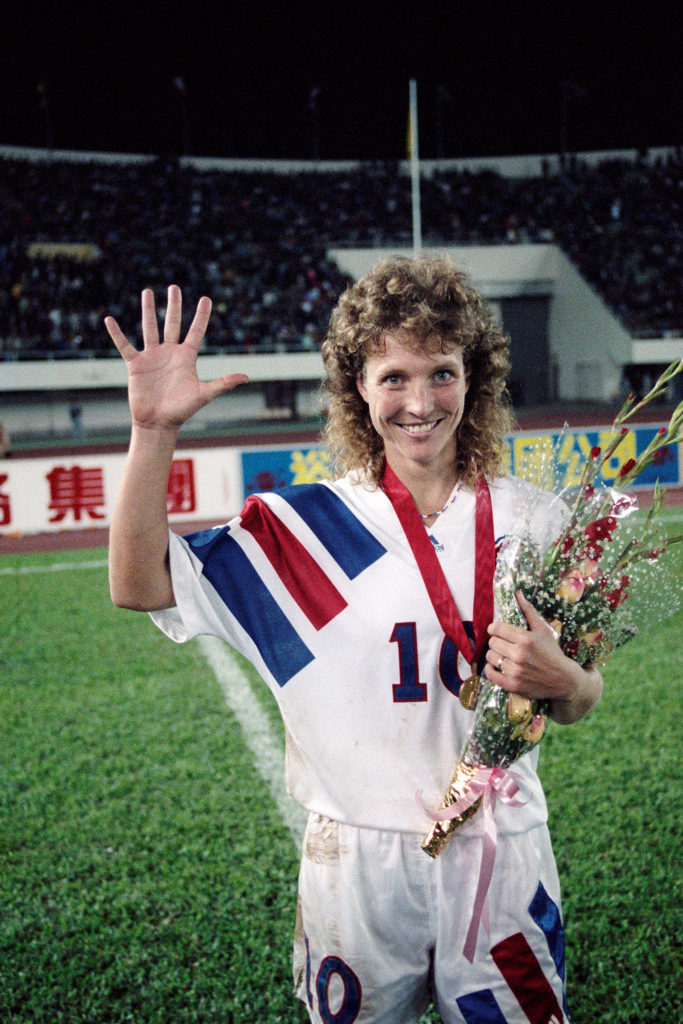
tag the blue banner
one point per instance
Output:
(529, 452)
(269, 469)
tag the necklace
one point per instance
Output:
(432, 515)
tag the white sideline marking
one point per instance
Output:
(21, 570)
(265, 748)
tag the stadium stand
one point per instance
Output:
(79, 238)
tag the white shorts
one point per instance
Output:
(381, 929)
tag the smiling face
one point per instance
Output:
(416, 398)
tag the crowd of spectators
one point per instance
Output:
(257, 241)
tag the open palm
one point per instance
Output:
(163, 387)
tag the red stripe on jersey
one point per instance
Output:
(517, 962)
(313, 591)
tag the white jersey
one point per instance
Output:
(317, 586)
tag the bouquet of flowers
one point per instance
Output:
(583, 584)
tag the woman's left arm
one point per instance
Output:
(531, 663)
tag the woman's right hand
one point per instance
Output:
(164, 390)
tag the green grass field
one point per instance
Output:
(145, 875)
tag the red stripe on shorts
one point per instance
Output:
(517, 962)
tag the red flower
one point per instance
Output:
(601, 529)
(535, 729)
(596, 452)
(619, 594)
(592, 550)
(662, 455)
(627, 467)
(567, 545)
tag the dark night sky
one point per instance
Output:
(248, 68)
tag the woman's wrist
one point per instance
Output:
(582, 697)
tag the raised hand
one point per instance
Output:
(164, 390)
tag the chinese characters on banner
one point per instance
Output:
(268, 469)
(76, 491)
(74, 495)
(181, 491)
(5, 507)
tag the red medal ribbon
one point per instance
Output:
(432, 573)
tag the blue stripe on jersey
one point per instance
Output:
(546, 914)
(481, 1008)
(350, 543)
(241, 589)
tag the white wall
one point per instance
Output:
(522, 166)
(588, 344)
(586, 341)
(63, 374)
(47, 414)
(496, 270)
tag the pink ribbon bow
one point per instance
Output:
(491, 784)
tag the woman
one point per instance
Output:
(366, 626)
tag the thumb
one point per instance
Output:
(220, 385)
(233, 380)
(535, 621)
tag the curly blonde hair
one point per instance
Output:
(423, 298)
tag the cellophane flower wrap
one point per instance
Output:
(596, 584)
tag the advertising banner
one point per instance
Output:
(573, 446)
(76, 492)
(267, 469)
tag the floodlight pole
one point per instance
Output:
(415, 168)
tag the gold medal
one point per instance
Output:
(469, 689)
